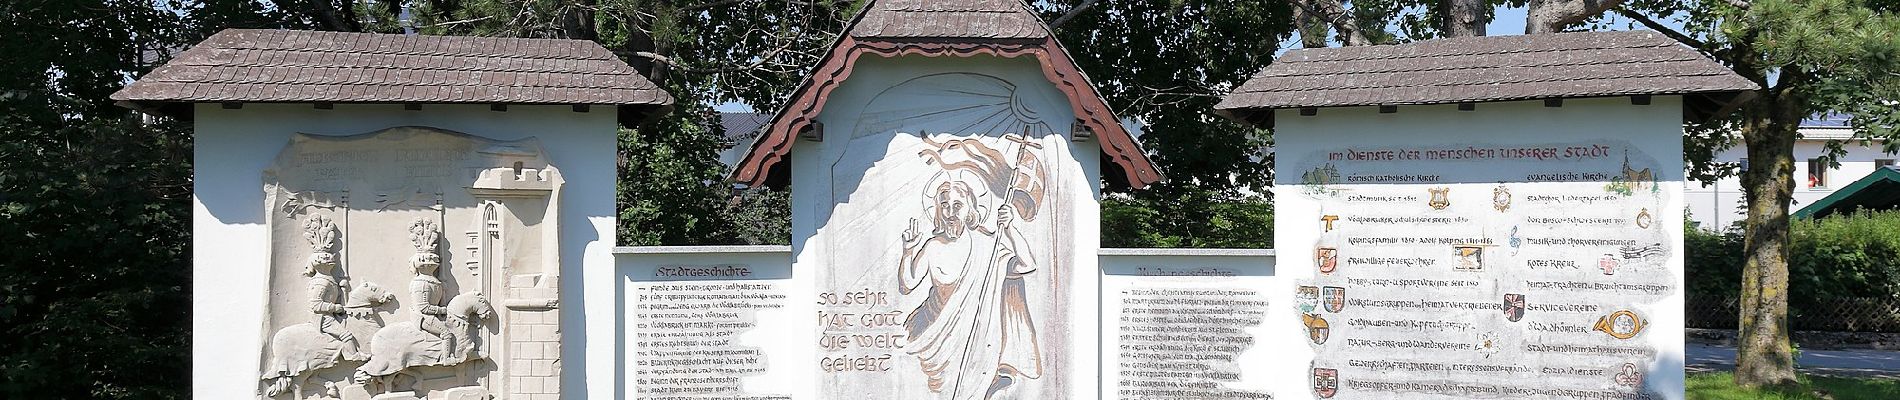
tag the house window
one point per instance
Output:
(1883, 163)
(1817, 173)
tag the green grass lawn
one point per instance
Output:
(1721, 386)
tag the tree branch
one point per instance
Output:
(721, 3)
(711, 5)
(1666, 30)
(1072, 13)
(762, 60)
(453, 23)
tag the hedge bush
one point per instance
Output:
(1855, 255)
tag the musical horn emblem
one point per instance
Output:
(1623, 324)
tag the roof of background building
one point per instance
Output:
(740, 128)
(1485, 69)
(1826, 120)
(250, 65)
(1877, 191)
(996, 19)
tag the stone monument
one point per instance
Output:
(1482, 217)
(413, 230)
(944, 168)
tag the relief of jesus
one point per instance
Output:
(972, 333)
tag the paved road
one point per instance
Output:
(1860, 363)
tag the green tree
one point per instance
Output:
(1186, 216)
(94, 201)
(1812, 57)
(1164, 64)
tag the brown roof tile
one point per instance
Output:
(996, 19)
(244, 65)
(1484, 69)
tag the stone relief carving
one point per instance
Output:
(443, 334)
(300, 349)
(351, 215)
(973, 332)
(966, 298)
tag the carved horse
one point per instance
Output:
(298, 351)
(397, 349)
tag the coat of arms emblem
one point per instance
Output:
(1622, 324)
(1335, 298)
(1327, 258)
(1441, 198)
(1513, 307)
(1470, 257)
(1325, 382)
(1307, 297)
(1317, 329)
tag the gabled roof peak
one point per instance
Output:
(995, 19)
(947, 28)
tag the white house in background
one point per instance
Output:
(1718, 205)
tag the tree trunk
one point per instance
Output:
(577, 21)
(1462, 18)
(1550, 16)
(325, 13)
(1312, 31)
(1335, 14)
(1766, 355)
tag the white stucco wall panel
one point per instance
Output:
(230, 240)
(1189, 323)
(760, 310)
(1412, 233)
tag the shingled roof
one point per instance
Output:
(283, 66)
(1484, 69)
(994, 19)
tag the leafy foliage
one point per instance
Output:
(94, 282)
(667, 195)
(1187, 217)
(95, 202)
(1165, 64)
(1853, 255)
(1810, 57)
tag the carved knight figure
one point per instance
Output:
(298, 350)
(326, 296)
(442, 334)
(425, 291)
